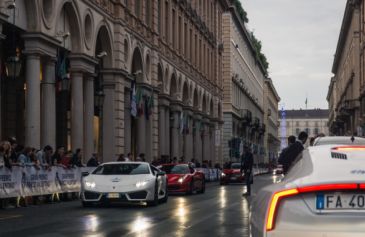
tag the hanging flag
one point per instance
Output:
(150, 105)
(139, 102)
(133, 100)
(181, 122)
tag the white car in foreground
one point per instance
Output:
(124, 182)
(323, 194)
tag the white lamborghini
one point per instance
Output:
(123, 182)
(323, 194)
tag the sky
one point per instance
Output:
(299, 39)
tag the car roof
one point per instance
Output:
(124, 162)
(339, 140)
(327, 164)
(170, 164)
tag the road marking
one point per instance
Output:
(10, 217)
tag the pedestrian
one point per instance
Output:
(293, 151)
(7, 154)
(44, 157)
(121, 157)
(129, 157)
(93, 161)
(246, 167)
(24, 158)
(57, 157)
(13, 149)
(77, 158)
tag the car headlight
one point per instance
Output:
(223, 174)
(141, 183)
(180, 180)
(90, 184)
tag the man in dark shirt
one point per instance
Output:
(293, 151)
(93, 161)
(247, 164)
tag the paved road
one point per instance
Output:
(221, 211)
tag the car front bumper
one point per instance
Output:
(117, 197)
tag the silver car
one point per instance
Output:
(323, 194)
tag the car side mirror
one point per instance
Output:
(160, 173)
(84, 174)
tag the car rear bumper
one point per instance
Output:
(232, 179)
(313, 234)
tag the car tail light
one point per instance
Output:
(349, 148)
(278, 196)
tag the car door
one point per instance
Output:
(161, 181)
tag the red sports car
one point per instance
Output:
(183, 178)
(232, 174)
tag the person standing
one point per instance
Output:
(93, 161)
(293, 151)
(247, 165)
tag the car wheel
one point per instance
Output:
(87, 204)
(203, 187)
(154, 202)
(191, 188)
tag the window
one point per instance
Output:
(307, 130)
(186, 39)
(196, 50)
(167, 21)
(297, 131)
(173, 29)
(288, 124)
(297, 124)
(316, 131)
(180, 37)
(148, 12)
(159, 17)
(122, 169)
(137, 8)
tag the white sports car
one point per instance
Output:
(123, 182)
(323, 194)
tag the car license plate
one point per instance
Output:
(340, 201)
(113, 195)
(233, 178)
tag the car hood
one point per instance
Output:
(231, 171)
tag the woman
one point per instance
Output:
(24, 158)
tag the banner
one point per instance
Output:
(10, 182)
(38, 181)
(69, 179)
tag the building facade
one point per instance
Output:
(312, 121)
(346, 87)
(243, 78)
(271, 121)
(113, 76)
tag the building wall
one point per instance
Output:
(243, 80)
(170, 48)
(344, 94)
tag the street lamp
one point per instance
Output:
(13, 63)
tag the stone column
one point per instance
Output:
(108, 118)
(127, 122)
(49, 105)
(188, 137)
(89, 118)
(198, 140)
(161, 131)
(77, 111)
(167, 132)
(141, 139)
(175, 138)
(33, 99)
(2, 37)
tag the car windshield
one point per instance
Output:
(122, 169)
(339, 141)
(175, 169)
(235, 166)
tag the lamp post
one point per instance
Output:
(13, 63)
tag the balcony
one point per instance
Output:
(246, 116)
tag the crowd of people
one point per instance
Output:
(14, 154)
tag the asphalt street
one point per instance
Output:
(221, 211)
